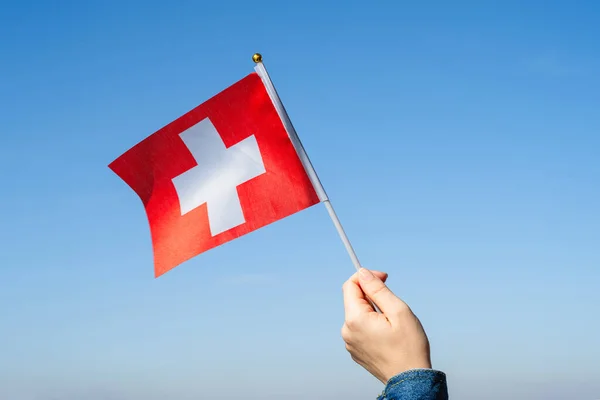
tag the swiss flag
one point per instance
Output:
(224, 169)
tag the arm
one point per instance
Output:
(416, 384)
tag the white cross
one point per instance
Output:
(215, 179)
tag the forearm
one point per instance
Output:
(416, 384)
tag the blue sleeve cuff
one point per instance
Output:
(416, 384)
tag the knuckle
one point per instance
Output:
(402, 309)
(379, 290)
(348, 348)
(352, 324)
(346, 335)
(345, 286)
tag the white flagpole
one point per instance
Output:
(310, 170)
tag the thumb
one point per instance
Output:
(378, 292)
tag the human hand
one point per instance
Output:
(385, 344)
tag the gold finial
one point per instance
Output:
(257, 58)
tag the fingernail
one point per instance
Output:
(365, 274)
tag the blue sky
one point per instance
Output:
(459, 144)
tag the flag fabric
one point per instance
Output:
(222, 170)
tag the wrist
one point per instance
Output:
(406, 368)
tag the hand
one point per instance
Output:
(385, 344)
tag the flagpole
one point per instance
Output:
(310, 170)
(312, 174)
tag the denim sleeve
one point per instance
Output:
(416, 384)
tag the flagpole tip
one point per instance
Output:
(257, 58)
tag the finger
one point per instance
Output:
(376, 290)
(381, 275)
(355, 301)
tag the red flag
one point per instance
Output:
(224, 169)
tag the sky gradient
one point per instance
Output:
(458, 142)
